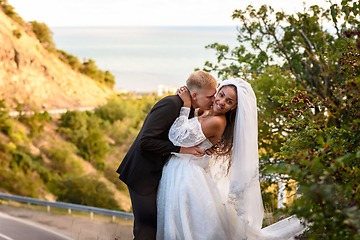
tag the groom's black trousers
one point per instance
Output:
(144, 209)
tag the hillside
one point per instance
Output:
(70, 157)
(37, 78)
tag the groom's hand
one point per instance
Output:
(197, 152)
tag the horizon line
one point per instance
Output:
(150, 26)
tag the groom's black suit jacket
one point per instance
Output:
(141, 168)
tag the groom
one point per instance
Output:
(142, 166)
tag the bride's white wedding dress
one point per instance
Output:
(194, 205)
(188, 205)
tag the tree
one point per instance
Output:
(305, 79)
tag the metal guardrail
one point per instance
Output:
(272, 229)
(69, 206)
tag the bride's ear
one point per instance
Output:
(234, 107)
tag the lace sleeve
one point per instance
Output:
(186, 132)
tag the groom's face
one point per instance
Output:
(204, 98)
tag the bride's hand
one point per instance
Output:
(184, 94)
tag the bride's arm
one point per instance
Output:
(185, 133)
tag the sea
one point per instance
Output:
(142, 58)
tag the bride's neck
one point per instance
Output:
(210, 113)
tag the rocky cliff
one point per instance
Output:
(37, 78)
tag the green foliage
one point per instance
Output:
(90, 69)
(62, 156)
(17, 33)
(126, 109)
(307, 85)
(281, 51)
(114, 109)
(113, 123)
(9, 11)
(32, 163)
(19, 170)
(97, 147)
(324, 160)
(44, 34)
(10, 127)
(84, 130)
(70, 59)
(86, 190)
(36, 122)
(322, 153)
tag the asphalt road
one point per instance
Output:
(12, 228)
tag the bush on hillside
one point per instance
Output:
(44, 34)
(62, 157)
(9, 11)
(84, 129)
(90, 69)
(97, 147)
(35, 122)
(73, 61)
(18, 169)
(114, 109)
(86, 190)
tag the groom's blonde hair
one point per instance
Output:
(200, 80)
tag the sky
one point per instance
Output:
(95, 13)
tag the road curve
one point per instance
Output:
(12, 228)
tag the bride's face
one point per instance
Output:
(225, 100)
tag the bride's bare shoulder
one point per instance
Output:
(214, 121)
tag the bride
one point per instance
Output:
(224, 203)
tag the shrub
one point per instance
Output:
(18, 171)
(114, 109)
(17, 33)
(62, 156)
(73, 61)
(44, 34)
(97, 147)
(9, 11)
(84, 130)
(35, 122)
(90, 69)
(86, 190)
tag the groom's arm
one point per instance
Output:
(159, 121)
(157, 125)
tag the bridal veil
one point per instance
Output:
(240, 188)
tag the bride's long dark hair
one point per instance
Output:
(225, 145)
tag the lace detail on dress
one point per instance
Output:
(237, 192)
(186, 132)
